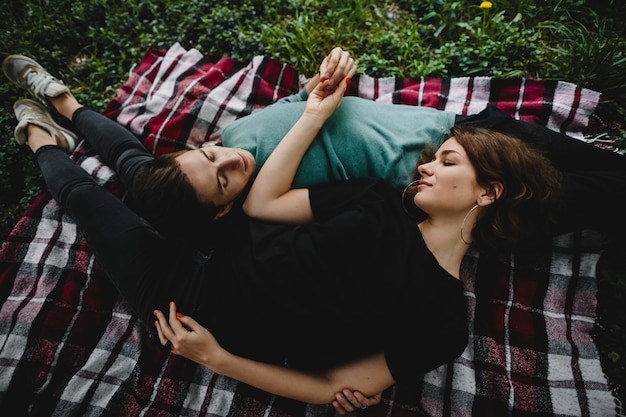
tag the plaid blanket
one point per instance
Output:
(70, 346)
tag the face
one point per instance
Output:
(448, 184)
(218, 174)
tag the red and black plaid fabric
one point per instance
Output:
(70, 346)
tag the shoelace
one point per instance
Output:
(38, 82)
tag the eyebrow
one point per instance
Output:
(449, 151)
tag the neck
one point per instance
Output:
(444, 241)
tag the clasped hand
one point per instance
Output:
(326, 95)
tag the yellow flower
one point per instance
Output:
(486, 5)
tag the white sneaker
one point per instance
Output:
(27, 73)
(31, 112)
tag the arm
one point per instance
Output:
(368, 376)
(271, 197)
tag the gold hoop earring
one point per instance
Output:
(463, 224)
(404, 192)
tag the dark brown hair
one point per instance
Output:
(163, 195)
(531, 187)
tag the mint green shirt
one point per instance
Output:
(361, 139)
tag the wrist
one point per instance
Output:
(217, 360)
(312, 119)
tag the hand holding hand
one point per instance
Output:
(337, 66)
(324, 99)
(326, 95)
(349, 401)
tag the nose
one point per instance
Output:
(424, 169)
(229, 161)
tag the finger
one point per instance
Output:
(336, 93)
(174, 319)
(367, 401)
(357, 399)
(342, 87)
(344, 402)
(188, 322)
(345, 67)
(163, 326)
(162, 338)
(324, 72)
(352, 69)
(329, 64)
(339, 409)
(163, 329)
(333, 59)
(360, 398)
(344, 62)
(375, 399)
(351, 397)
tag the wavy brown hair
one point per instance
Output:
(531, 187)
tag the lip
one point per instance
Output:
(244, 160)
(422, 184)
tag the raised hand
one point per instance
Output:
(337, 66)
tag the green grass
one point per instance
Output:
(92, 44)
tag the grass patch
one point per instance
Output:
(92, 44)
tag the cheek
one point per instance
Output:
(453, 183)
(461, 189)
(238, 186)
(203, 190)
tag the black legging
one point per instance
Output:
(149, 270)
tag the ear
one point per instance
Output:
(490, 194)
(224, 210)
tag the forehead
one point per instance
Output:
(203, 151)
(200, 173)
(451, 145)
(198, 158)
(189, 155)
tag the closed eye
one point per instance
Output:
(209, 156)
(447, 157)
